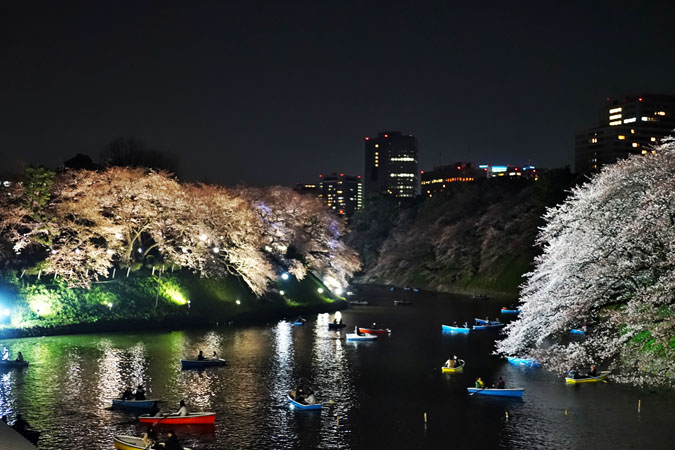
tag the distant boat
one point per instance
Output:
(407, 288)
(358, 302)
(298, 405)
(497, 392)
(125, 442)
(360, 337)
(487, 322)
(196, 418)
(479, 296)
(133, 404)
(391, 289)
(490, 326)
(402, 302)
(453, 329)
(527, 362)
(602, 376)
(577, 331)
(510, 311)
(459, 368)
(9, 363)
(201, 363)
(415, 290)
(375, 330)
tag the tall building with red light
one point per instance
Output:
(391, 165)
(631, 125)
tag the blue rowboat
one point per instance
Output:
(198, 364)
(491, 326)
(497, 392)
(298, 405)
(527, 362)
(13, 363)
(510, 311)
(487, 322)
(133, 404)
(298, 324)
(577, 331)
(451, 329)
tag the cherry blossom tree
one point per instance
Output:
(608, 261)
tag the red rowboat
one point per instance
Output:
(197, 418)
(375, 330)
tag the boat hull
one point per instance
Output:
(576, 331)
(124, 442)
(376, 331)
(358, 303)
(401, 303)
(602, 377)
(197, 364)
(510, 311)
(356, 337)
(298, 405)
(11, 363)
(452, 329)
(488, 327)
(133, 404)
(497, 392)
(527, 362)
(335, 326)
(201, 418)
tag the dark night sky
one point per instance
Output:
(278, 92)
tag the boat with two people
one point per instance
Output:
(302, 398)
(454, 328)
(358, 335)
(375, 329)
(201, 361)
(453, 365)
(592, 376)
(505, 310)
(486, 324)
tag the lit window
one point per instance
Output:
(660, 113)
(615, 116)
(614, 110)
(644, 152)
(631, 120)
(632, 131)
(593, 141)
(653, 139)
(377, 145)
(616, 122)
(646, 119)
(635, 144)
(621, 137)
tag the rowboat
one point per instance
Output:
(491, 326)
(451, 329)
(528, 362)
(487, 322)
(402, 302)
(196, 418)
(510, 311)
(124, 442)
(375, 330)
(336, 326)
(497, 392)
(133, 404)
(11, 363)
(358, 302)
(297, 405)
(602, 376)
(577, 331)
(459, 368)
(298, 324)
(359, 337)
(198, 364)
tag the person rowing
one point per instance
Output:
(479, 383)
(592, 372)
(140, 393)
(182, 410)
(200, 356)
(501, 384)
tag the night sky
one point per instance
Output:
(277, 92)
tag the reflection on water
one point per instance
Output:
(379, 390)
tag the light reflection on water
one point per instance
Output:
(379, 390)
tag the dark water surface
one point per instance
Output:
(380, 389)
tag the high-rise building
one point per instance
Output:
(391, 165)
(342, 193)
(632, 125)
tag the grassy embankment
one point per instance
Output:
(145, 301)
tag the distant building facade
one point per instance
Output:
(440, 178)
(341, 193)
(631, 125)
(391, 166)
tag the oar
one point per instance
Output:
(476, 392)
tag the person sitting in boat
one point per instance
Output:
(172, 442)
(5, 353)
(20, 424)
(357, 331)
(592, 372)
(182, 410)
(214, 356)
(19, 357)
(335, 321)
(479, 383)
(572, 374)
(299, 319)
(127, 394)
(466, 325)
(310, 399)
(501, 384)
(450, 363)
(149, 437)
(140, 393)
(200, 356)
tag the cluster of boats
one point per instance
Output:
(480, 324)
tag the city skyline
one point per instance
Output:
(265, 94)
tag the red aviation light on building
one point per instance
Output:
(459, 167)
(367, 138)
(342, 174)
(386, 135)
(640, 99)
(320, 176)
(342, 211)
(359, 176)
(421, 171)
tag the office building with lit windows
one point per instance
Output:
(632, 125)
(441, 178)
(391, 165)
(342, 193)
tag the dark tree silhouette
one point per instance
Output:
(131, 152)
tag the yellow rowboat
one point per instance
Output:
(602, 377)
(123, 442)
(459, 368)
